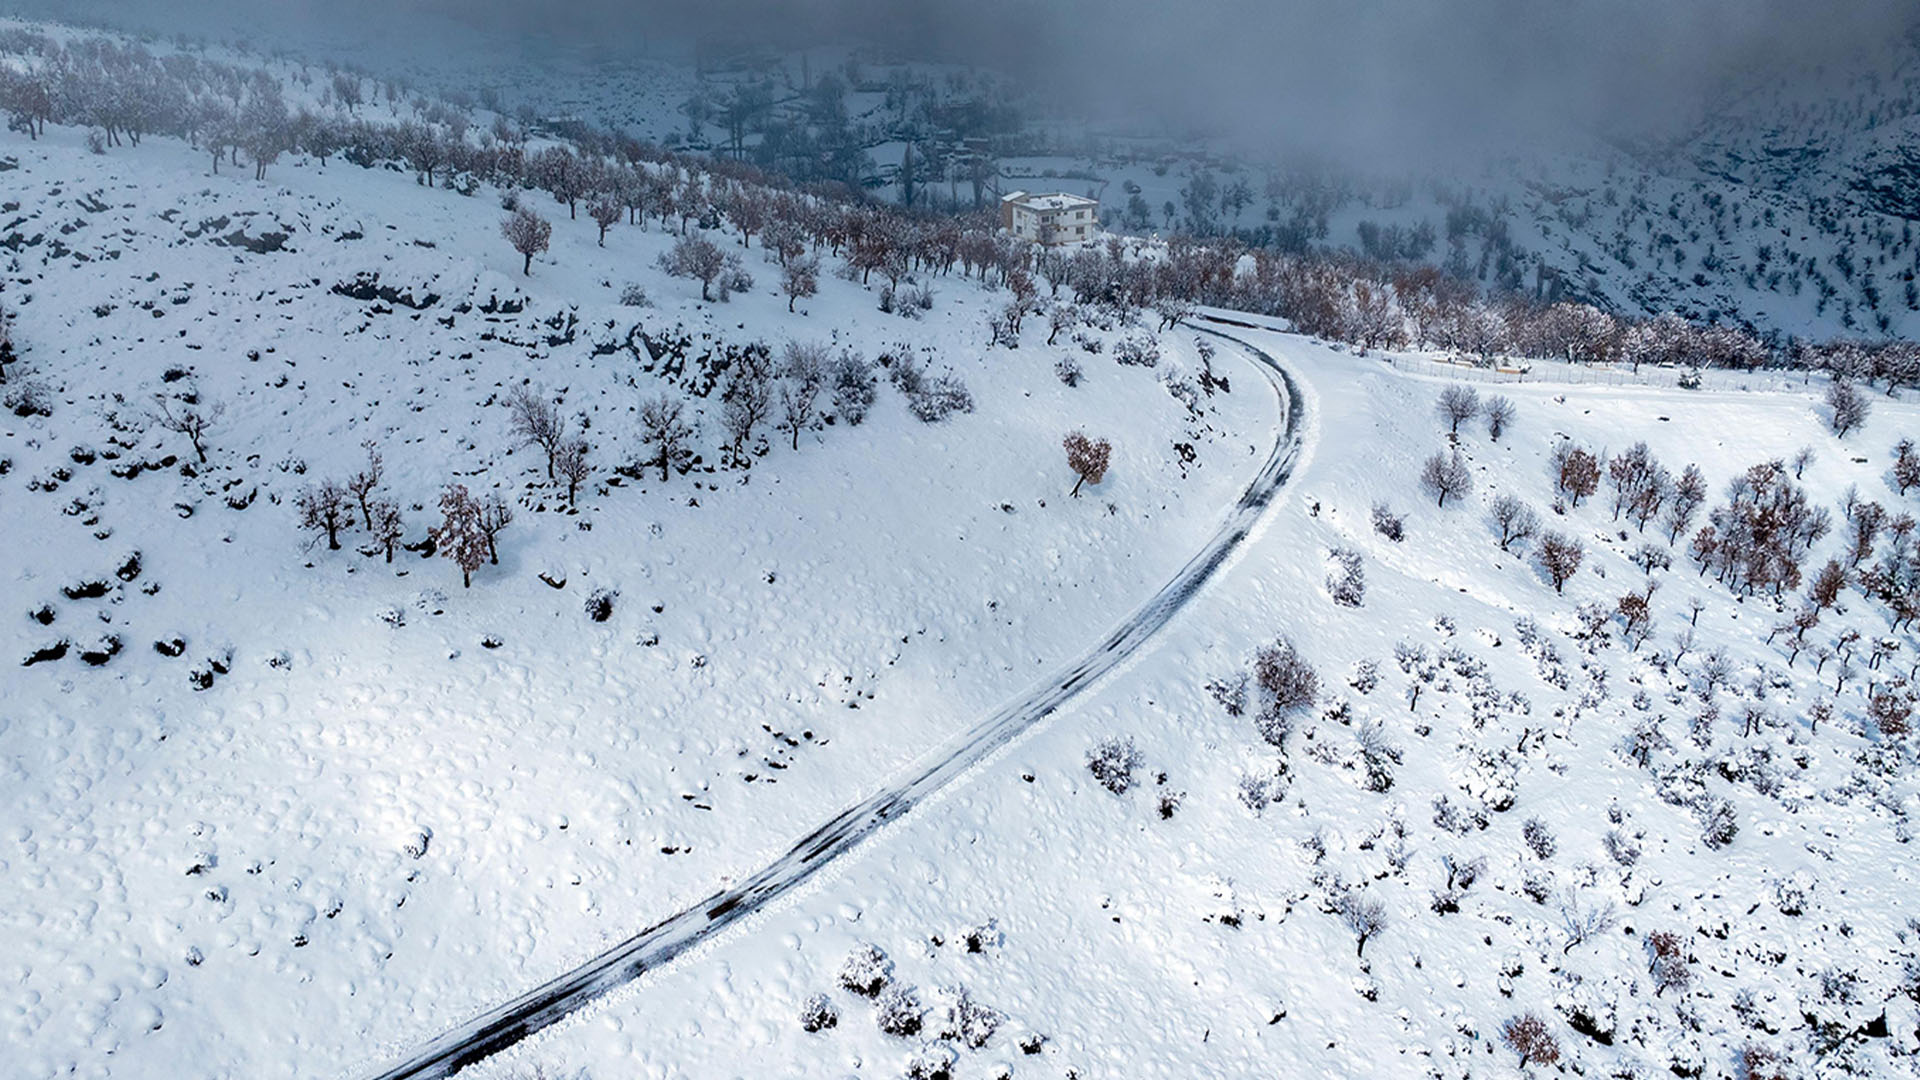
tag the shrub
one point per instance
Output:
(899, 1011)
(1285, 679)
(1718, 823)
(938, 398)
(634, 296)
(967, 1021)
(818, 1014)
(29, 397)
(599, 605)
(1137, 350)
(1539, 838)
(854, 387)
(866, 971)
(1527, 1035)
(1347, 581)
(1388, 524)
(1067, 369)
(1112, 762)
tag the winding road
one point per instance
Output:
(660, 943)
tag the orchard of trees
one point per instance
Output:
(125, 92)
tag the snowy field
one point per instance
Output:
(1122, 942)
(234, 874)
(280, 809)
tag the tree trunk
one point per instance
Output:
(526, 268)
(1075, 493)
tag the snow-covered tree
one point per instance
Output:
(1445, 476)
(529, 233)
(1457, 405)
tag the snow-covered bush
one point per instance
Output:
(939, 397)
(965, 1020)
(1539, 838)
(1389, 524)
(1137, 350)
(854, 387)
(634, 296)
(1112, 761)
(818, 1014)
(28, 396)
(934, 1061)
(1067, 370)
(1286, 684)
(866, 971)
(898, 1011)
(1347, 580)
(599, 604)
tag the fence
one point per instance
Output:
(1552, 372)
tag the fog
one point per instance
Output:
(1357, 79)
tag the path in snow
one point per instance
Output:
(660, 943)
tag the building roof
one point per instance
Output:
(1056, 201)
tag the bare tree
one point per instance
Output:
(663, 425)
(1364, 915)
(536, 421)
(606, 211)
(460, 536)
(363, 483)
(1846, 405)
(1560, 556)
(387, 527)
(323, 508)
(192, 419)
(1527, 1035)
(1445, 476)
(696, 257)
(1515, 520)
(747, 402)
(1064, 316)
(495, 515)
(1458, 404)
(1689, 493)
(1287, 684)
(1906, 462)
(1087, 458)
(529, 233)
(799, 279)
(1499, 413)
(1576, 471)
(571, 466)
(805, 367)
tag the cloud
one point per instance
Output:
(1381, 80)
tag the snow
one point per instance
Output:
(820, 618)
(1111, 919)
(403, 802)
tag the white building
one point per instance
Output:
(1050, 219)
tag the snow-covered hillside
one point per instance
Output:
(1188, 926)
(218, 855)
(1629, 788)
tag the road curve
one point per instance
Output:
(660, 943)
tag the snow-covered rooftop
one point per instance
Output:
(1055, 201)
